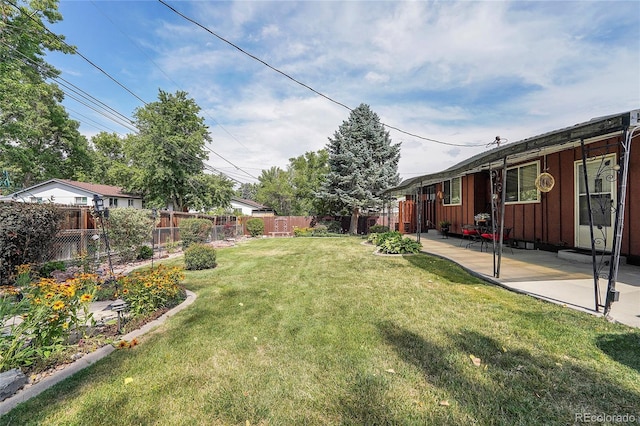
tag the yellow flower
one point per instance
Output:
(23, 269)
(49, 295)
(65, 325)
(86, 297)
(58, 305)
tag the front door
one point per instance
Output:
(602, 193)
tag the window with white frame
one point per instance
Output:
(113, 202)
(129, 203)
(521, 183)
(452, 192)
(81, 201)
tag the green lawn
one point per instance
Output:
(291, 331)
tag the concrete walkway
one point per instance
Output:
(543, 275)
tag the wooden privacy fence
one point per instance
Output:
(284, 225)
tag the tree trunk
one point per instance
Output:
(353, 229)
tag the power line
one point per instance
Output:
(113, 79)
(330, 99)
(163, 72)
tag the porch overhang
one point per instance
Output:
(548, 143)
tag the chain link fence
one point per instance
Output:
(89, 246)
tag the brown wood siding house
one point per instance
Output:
(550, 220)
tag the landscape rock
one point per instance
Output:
(11, 382)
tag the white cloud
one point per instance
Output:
(456, 72)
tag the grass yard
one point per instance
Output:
(291, 331)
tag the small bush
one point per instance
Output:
(46, 269)
(379, 239)
(195, 231)
(333, 226)
(200, 256)
(302, 232)
(399, 245)
(255, 227)
(378, 229)
(144, 253)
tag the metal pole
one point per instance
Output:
(612, 294)
(493, 217)
(596, 276)
(502, 207)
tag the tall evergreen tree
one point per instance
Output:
(363, 163)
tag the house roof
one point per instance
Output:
(518, 151)
(102, 190)
(250, 203)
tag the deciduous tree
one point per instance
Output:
(38, 140)
(169, 150)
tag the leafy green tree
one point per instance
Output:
(38, 140)
(209, 192)
(111, 165)
(363, 163)
(169, 150)
(308, 172)
(248, 191)
(275, 190)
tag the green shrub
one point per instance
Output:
(333, 226)
(27, 233)
(399, 245)
(302, 232)
(145, 252)
(255, 227)
(200, 256)
(128, 229)
(320, 231)
(46, 269)
(195, 231)
(378, 229)
(379, 239)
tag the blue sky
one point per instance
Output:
(456, 72)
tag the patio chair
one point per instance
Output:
(469, 232)
(489, 238)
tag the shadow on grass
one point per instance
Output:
(446, 269)
(623, 348)
(510, 386)
(365, 404)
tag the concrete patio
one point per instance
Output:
(543, 275)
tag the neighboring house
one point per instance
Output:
(250, 208)
(546, 198)
(69, 192)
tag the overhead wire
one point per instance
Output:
(178, 86)
(254, 57)
(118, 83)
(163, 72)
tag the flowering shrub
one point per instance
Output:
(48, 311)
(149, 290)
